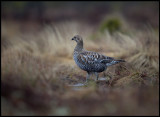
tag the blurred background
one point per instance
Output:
(38, 68)
(32, 15)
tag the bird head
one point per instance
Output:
(77, 38)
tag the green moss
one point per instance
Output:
(112, 25)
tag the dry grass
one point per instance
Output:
(37, 68)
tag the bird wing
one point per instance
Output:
(107, 60)
(88, 57)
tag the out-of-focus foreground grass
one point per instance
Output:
(37, 69)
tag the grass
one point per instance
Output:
(37, 70)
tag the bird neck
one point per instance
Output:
(79, 47)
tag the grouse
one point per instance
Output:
(91, 62)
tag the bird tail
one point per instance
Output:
(115, 62)
(120, 60)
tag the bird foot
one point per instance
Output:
(78, 85)
(103, 79)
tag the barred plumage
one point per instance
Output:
(92, 62)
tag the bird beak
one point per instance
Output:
(72, 39)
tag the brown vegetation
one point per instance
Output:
(37, 70)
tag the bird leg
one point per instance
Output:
(87, 77)
(104, 75)
(97, 75)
